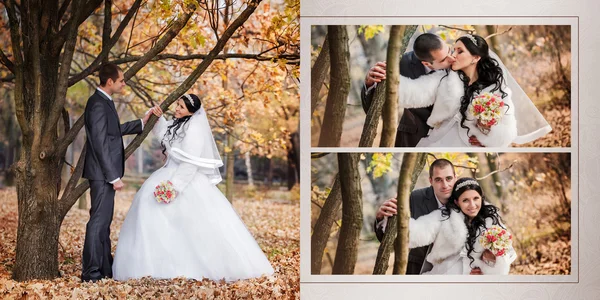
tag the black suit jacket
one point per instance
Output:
(413, 124)
(422, 202)
(105, 154)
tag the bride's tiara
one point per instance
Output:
(472, 38)
(466, 182)
(187, 96)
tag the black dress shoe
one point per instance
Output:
(92, 280)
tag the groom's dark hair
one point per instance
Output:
(424, 44)
(108, 70)
(440, 163)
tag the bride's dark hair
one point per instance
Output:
(172, 130)
(488, 71)
(477, 224)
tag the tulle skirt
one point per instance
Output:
(198, 235)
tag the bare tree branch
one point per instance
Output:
(5, 61)
(62, 10)
(88, 8)
(318, 155)
(498, 33)
(63, 75)
(106, 46)
(161, 44)
(497, 171)
(18, 63)
(259, 57)
(107, 28)
(469, 31)
(8, 78)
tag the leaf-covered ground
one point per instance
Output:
(275, 223)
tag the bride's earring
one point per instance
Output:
(473, 62)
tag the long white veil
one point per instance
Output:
(197, 146)
(531, 124)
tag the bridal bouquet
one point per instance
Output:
(488, 109)
(497, 240)
(165, 192)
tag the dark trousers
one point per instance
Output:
(97, 259)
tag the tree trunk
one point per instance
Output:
(390, 109)
(270, 173)
(372, 120)
(369, 131)
(487, 184)
(318, 74)
(404, 189)
(249, 169)
(347, 247)
(229, 173)
(390, 240)
(322, 229)
(39, 220)
(293, 157)
(335, 107)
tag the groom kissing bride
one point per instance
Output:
(196, 234)
(458, 96)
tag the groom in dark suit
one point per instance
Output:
(430, 53)
(104, 167)
(422, 202)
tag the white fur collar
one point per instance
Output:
(450, 239)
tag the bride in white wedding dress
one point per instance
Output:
(198, 235)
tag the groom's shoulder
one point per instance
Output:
(94, 100)
(420, 193)
(408, 57)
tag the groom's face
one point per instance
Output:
(442, 58)
(116, 86)
(442, 181)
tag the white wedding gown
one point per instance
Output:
(198, 235)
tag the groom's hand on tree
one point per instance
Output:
(117, 186)
(375, 74)
(387, 209)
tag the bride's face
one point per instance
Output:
(469, 203)
(462, 57)
(181, 110)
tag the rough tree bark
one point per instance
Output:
(372, 120)
(318, 73)
(390, 110)
(335, 107)
(404, 189)
(41, 78)
(390, 236)
(322, 229)
(347, 247)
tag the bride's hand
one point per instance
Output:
(475, 142)
(488, 257)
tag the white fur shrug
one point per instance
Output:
(444, 91)
(448, 253)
